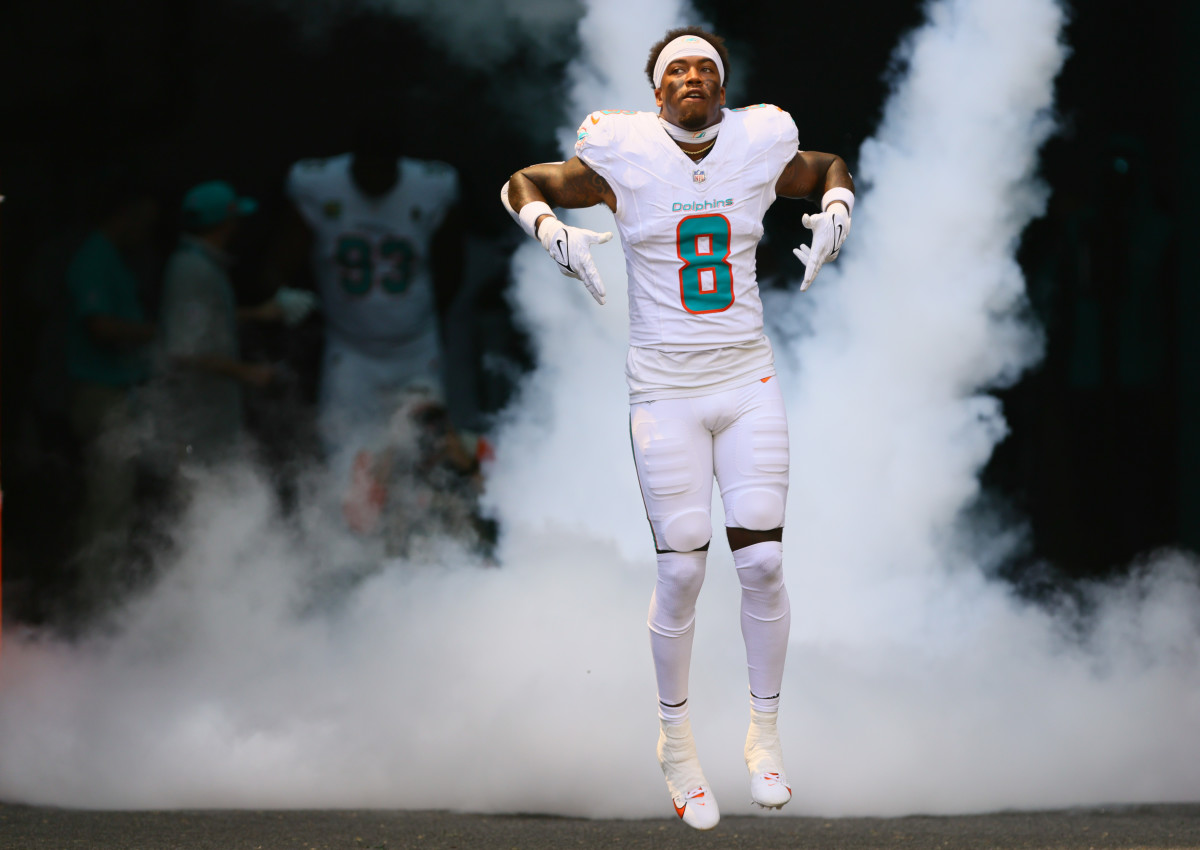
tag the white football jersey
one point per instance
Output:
(690, 230)
(371, 255)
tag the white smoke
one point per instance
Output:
(914, 684)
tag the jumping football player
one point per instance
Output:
(688, 187)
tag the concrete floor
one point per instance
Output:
(1125, 827)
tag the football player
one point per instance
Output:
(381, 233)
(689, 186)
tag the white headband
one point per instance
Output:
(686, 45)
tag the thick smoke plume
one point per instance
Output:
(251, 676)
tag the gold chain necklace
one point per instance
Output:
(702, 150)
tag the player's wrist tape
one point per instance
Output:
(529, 215)
(838, 193)
(531, 212)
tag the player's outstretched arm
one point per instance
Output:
(529, 195)
(808, 174)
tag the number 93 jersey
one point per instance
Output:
(690, 229)
(371, 255)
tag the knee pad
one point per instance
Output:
(673, 605)
(758, 509)
(760, 566)
(760, 572)
(687, 531)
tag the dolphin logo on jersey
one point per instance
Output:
(583, 132)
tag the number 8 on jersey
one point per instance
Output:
(705, 278)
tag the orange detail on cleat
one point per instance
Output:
(697, 794)
(764, 380)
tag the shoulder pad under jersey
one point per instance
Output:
(441, 178)
(305, 174)
(599, 128)
(309, 168)
(769, 124)
(434, 167)
(441, 173)
(314, 164)
(766, 114)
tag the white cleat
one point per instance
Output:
(769, 787)
(694, 802)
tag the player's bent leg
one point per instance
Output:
(672, 622)
(766, 622)
(672, 451)
(766, 617)
(751, 461)
(690, 794)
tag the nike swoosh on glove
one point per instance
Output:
(830, 229)
(571, 248)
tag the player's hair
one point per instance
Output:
(715, 40)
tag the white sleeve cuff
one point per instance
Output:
(838, 193)
(504, 200)
(529, 215)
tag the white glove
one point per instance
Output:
(829, 232)
(295, 304)
(571, 248)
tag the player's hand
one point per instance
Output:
(830, 229)
(571, 248)
(294, 304)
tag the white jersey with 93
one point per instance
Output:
(689, 232)
(371, 255)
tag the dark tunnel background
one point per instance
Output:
(1103, 459)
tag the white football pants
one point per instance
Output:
(360, 393)
(741, 437)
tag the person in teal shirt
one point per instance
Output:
(108, 331)
(108, 340)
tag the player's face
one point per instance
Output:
(691, 94)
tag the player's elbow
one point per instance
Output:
(519, 178)
(523, 188)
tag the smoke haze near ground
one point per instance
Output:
(251, 675)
